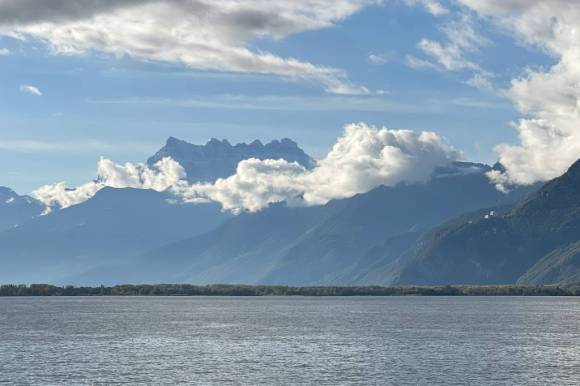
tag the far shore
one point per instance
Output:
(274, 290)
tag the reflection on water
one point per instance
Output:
(331, 341)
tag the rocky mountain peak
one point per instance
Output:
(219, 158)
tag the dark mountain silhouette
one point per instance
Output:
(533, 243)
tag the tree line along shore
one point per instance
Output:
(266, 290)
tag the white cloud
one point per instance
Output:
(418, 64)
(461, 39)
(165, 173)
(32, 90)
(481, 80)
(508, 7)
(342, 88)
(377, 59)
(434, 7)
(256, 184)
(550, 98)
(201, 34)
(5, 52)
(363, 158)
(447, 57)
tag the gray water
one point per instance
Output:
(322, 341)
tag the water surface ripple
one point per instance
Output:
(290, 340)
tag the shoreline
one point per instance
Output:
(21, 290)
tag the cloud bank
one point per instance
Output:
(165, 174)
(363, 158)
(549, 97)
(201, 34)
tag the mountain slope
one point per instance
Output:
(384, 262)
(242, 250)
(113, 226)
(89, 242)
(382, 224)
(329, 244)
(500, 249)
(561, 266)
(15, 209)
(219, 159)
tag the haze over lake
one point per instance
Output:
(290, 340)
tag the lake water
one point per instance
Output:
(277, 340)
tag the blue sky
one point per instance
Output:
(95, 104)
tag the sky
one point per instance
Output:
(81, 80)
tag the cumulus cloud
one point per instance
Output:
(28, 89)
(5, 52)
(164, 174)
(201, 34)
(363, 158)
(549, 98)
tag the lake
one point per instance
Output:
(290, 340)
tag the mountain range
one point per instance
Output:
(455, 228)
(330, 244)
(534, 243)
(115, 225)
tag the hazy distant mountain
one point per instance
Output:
(329, 244)
(86, 242)
(219, 159)
(536, 242)
(243, 250)
(15, 209)
(386, 236)
(112, 227)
